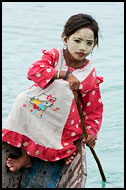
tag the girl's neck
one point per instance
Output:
(71, 62)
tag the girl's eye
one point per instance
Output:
(89, 43)
(77, 41)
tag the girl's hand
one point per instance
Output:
(69, 159)
(74, 83)
(90, 141)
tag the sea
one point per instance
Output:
(29, 27)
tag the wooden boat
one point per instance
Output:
(45, 174)
(74, 175)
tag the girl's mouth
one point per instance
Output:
(80, 54)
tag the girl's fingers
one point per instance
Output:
(69, 159)
(72, 157)
(84, 140)
(74, 86)
(77, 88)
(67, 162)
(92, 144)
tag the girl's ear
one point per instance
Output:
(65, 40)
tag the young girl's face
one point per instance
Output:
(80, 43)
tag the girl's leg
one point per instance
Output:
(24, 161)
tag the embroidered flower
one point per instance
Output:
(86, 91)
(25, 143)
(100, 100)
(8, 142)
(47, 81)
(94, 74)
(86, 117)
(38, 74)
(48, 70)
(45, 51)
(89, 103)
(49, 62)
(73, 109)
(81, 86)
(55, 63)
(96, 121)
(72, 122)
(98, 81)
(57, 158)
(93, 92)
(53, 54)
(65, 144)
(84, 113)
(77, 126)
(42, 66)
(88, 127)
(83, 95)
(73, 134)
(19, 145)
(37, 152)
(68, 151)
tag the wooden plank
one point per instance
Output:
(74, 175)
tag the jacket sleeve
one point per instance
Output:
(43, 70)
(92, 109)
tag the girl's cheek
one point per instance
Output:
(70, 45)
(71, 48)
(89, 50)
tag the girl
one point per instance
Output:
(44, 121)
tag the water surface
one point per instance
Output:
(29, 27)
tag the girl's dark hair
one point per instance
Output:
(79, 21)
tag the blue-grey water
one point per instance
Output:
(29, 27)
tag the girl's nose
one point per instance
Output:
(82, 47)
